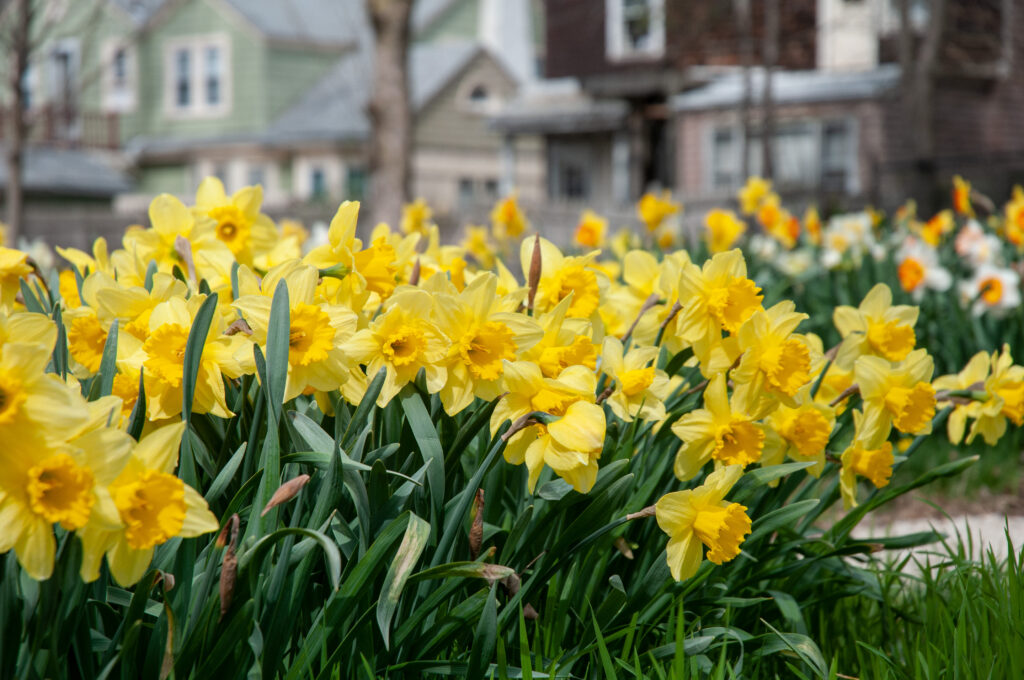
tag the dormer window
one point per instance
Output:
(478, 94)
(635, 29)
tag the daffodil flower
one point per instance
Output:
(861, 459)
(875, 328)
(726, 429)
(700, 517)
(899, 395)
(640, 388)
(774, 358)
(1004, 388)
(153, 506)
(571, 443)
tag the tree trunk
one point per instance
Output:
(920, 104)
(390, 115)
(742, 9)
(771, 54)
(16, 130)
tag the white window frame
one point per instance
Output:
(817, 126)
(617, 47)
(121, 99)
(197, 46)
(72, 47)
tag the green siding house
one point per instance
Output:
(274, 92)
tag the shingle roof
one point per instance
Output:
(70, 172)
(140, 11)
(319, 21)
(792, 87)
(426, 12)
(335, 108)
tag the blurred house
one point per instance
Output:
(275, 92)
(644, 94)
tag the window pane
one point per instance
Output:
(724, 160)
(212, 75)
(836, 152)
(257, 175)
(318, 184)
(794, 153)
(183, 78)
(355, 184)
(120, 67)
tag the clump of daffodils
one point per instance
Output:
(579, 345)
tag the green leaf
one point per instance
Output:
(483, 570)
(226, 474)
(108, 364)
(330, 549)
(194, 352)
(362, 418)
(278, 337)
(486, 634)
(32, 303)
(137, 419)
(413, 543)
(429, 445)
(787, 514)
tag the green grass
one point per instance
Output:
(942, 614)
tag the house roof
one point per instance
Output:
(70, 172)
(319, 21)
(792, 87)
(335, 108)
(559, 106)
(426, 12)
(313, 22)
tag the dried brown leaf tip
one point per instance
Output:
(229, 566)
(238, 326)
(476, 532)
(286, 492)
(535, 269)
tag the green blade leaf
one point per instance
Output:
(108, 364)
(413, 543)
(278, 335)
(429, 444)
(194, 352)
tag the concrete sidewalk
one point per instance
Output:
(987, 531)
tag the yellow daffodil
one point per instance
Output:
(812, 224)
(13, 266)
(752, 193)
(700, 517)
(508, 220)
(726, 430)
(723, 230)
(590, 230)
(416, 217)
(171, 220)
(640, 388)
(30, 399)
(800, 431)
(152, 505)
(653, 210)
(45, 482)
(485, 331)
(561, 275)
(972, 377)
(477, 243)
(872, 461)
(899, 395)
(162, 356)
(402, 340)
(1004, 390)
(774, 358)
(565, 342)
(571, 443)
(237, 220)
(876, 327)
(317, 333)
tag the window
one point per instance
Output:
(119, 68)
(356, 184)
(197, 72)
(570, 160)
(213, 75)
(491, 189)
(725, 156)
(64, 74)
(27, 79)
(466, 192)
(182, 78)
(118, 77)
(257, 175)
(809, 154)
(635, 29)
(317, 184)
(478, 94)
(837, 156)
